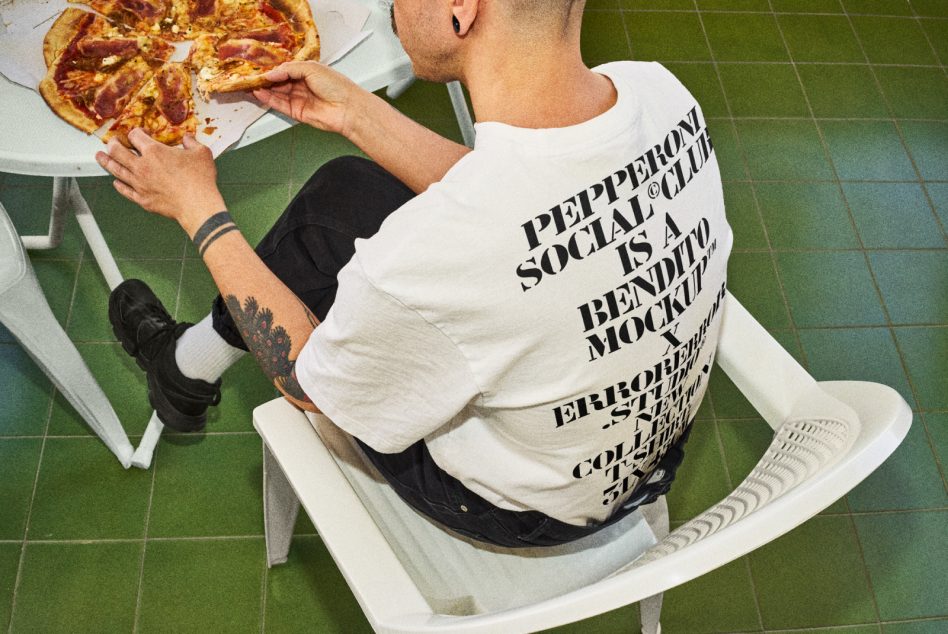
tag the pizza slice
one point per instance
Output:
(93, 72)
(260, 36)
(164, 108)
(152, 17)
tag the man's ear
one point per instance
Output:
(465, 12)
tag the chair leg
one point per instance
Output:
(26, 314)
(650, 609)
(280, 508)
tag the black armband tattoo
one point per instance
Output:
(207, 243)
(213, 228)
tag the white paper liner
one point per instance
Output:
(222, 120)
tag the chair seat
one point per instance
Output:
(459, 576)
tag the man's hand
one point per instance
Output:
(311, 93)
(176, 182)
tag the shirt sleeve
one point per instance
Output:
(379, 370)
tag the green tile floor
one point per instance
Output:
(830, 122)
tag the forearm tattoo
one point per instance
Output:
(212, 229)
(269, 344)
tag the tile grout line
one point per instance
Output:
(892, 333)
(154, 470)
(933, 18)
(141, 566)
(792, 326)
(938, 462)
(625, 29)
(921, 181)
(753, 190)
(39, 462)
(875, 283)
(746, 558)
(264, 579)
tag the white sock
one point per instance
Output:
(203, 354)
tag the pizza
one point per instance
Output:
(163, 108)
(112, 64)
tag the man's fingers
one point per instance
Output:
(117, 161)
(291, 70)
(191, 143)
(274, 100)
(140, 140)
(284, 89)
(126, 190)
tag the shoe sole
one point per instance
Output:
(181, 422)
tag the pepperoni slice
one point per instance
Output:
(252, 51)
(110, 97)
(123, 47)
(172, 101)
(272, 13)
(281, 34)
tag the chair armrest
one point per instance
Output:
(810, 464)
(383, 588)
(762, 370)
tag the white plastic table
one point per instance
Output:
(33, 141)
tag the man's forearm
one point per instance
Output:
(272, 321)
(411, 152)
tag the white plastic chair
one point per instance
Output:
(26, 314)
(411, 576)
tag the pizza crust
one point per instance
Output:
(63, 107)
(62, 32)
(301, 19)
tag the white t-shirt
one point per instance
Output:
(545, 316)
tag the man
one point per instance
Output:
(522, 341)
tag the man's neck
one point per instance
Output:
(528, 88)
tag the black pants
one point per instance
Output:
(348, 198)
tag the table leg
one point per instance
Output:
(113, 277)
(461, 112)
(394, 91)
(90, 229)
(57, 220)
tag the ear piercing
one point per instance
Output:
(457, 25)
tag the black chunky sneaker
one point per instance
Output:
(148, 333)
